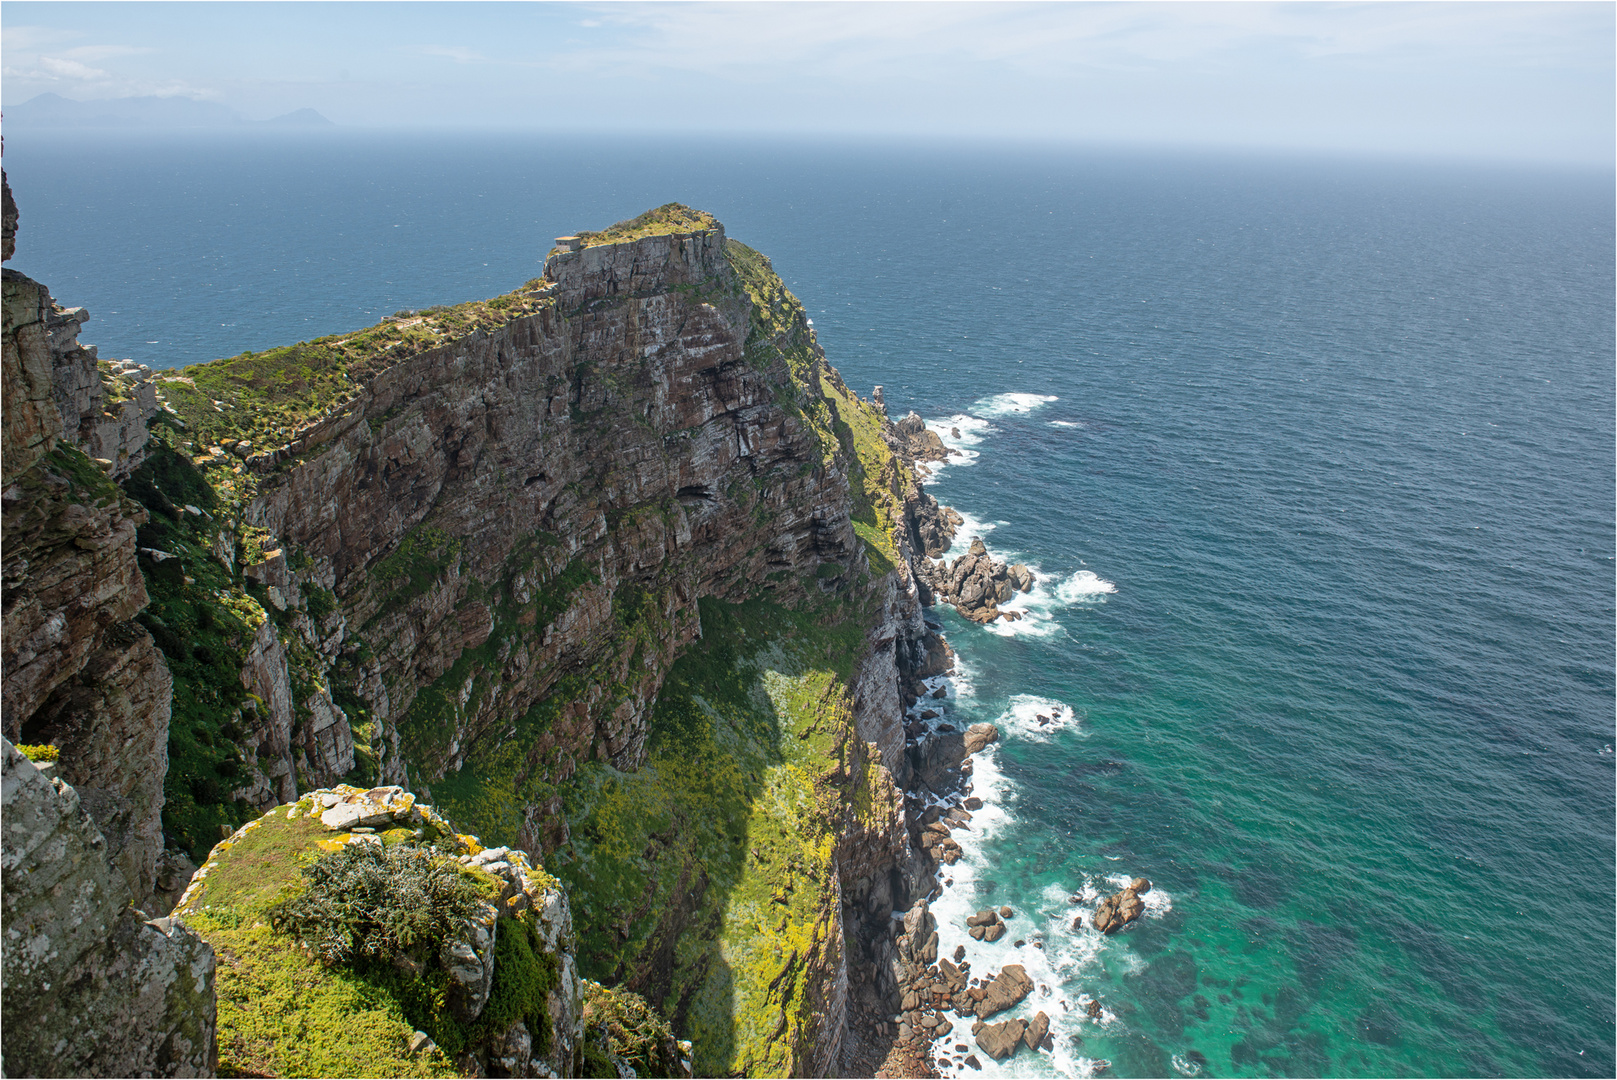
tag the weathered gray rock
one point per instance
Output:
(94, 989)
(469, 960)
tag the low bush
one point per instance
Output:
(366, 900)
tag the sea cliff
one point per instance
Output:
(614, 571)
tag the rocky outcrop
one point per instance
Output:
(1004, 991)
(976, 583)
(1122, 907)
(918, 443)
(470, 562)
(78, 672)
(541, 1034)
(93, 987)
(938, 757)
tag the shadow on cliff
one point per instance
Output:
(704, 880)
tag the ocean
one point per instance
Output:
(1314, 461)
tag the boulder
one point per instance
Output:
(1037, 1029)
(1140, 886)
(1000, 1041)
(985, 917)
(977, 737)
(1009, 987)
(1118, 910)
(994, 933)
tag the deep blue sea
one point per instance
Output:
(1314, 459)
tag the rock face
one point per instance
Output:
(78, 672)
(93, 987)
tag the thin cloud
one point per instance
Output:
(457, 53)
(59, 68)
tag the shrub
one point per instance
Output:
(38, 753)
(621, 1021)
(366, 900)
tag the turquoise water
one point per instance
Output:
(1314, 460)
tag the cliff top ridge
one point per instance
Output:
(665, 220)
(268, 399)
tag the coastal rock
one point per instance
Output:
(977, 738)
(1038, 1029)
(1119, 909)
(1000, 1041)
(1006, 990)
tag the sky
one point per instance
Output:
(1529, 82)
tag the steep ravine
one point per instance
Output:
(613, 570)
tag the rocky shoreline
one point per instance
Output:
(945, 1021)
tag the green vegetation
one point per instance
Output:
(38, 753)
(205, 623)
(620, 1023)
(280, 1015)
(265, 397)
(371, 900)
(704, 879)
(283, 1013)
(663, 221)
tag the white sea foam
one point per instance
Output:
(1010, 404)
(1069, 959)
(1038, 606)
(1065, 423)
(970, 528)
(1024, 717)
(960, 434)
(1084, 587)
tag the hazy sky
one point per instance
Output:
(1505, 80)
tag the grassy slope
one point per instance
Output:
(265, 397)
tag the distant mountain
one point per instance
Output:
(55, 111)
(300, 118)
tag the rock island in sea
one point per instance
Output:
(526, 677)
